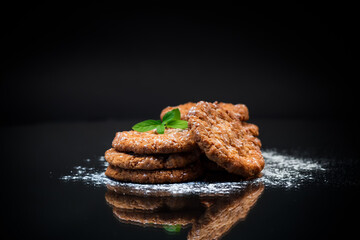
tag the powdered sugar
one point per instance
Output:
(281, 171)
(288, 171)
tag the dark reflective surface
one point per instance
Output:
(207, 217)
(38, 204)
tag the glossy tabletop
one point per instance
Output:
(46, 193)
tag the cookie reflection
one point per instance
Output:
(206, 217)
(222, 213)
(170, 213)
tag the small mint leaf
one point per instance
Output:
(160, 128)
(171, 115)
(177, 124)
(146, 125)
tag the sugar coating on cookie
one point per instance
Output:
(239, 111)
(252, 129)
(150, 162)
(172, 141)
(186, 174)
(224, 140)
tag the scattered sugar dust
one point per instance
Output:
(281, 171)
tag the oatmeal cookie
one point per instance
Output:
(172, 141)
(251, 128)
(224, 141)
(186, 174)
(150, 162)
(239, 111)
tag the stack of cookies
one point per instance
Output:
(218, 131)
(148, 157)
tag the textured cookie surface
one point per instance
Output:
(251, 128)
(172, 141)
(223, 139)
(239, 111)
(186, 174)
(150, 162)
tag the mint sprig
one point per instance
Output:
(171, 115)
(170, 120)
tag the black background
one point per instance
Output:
(97, 61)
(73, 74)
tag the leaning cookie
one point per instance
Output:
(186, 174)
(172, 141)
(251, 128)
(150, 162)
(239, 111)
(224, 140)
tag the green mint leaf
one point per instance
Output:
(160, 128)
(171, 115)
(177, 124)
(171, 119)
(146, 125)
